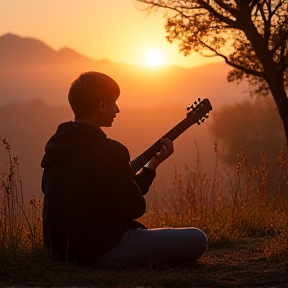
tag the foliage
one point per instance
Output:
(250, 35)
(220, 28)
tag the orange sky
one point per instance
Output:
(114, 29)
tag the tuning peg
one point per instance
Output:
(195, 102)
(190, 107)
(199, 99)
(199, 123)
(206, 116)
(202, 120)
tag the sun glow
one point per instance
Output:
(154, 58)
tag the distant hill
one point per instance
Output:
(18, 51)
(30, 69)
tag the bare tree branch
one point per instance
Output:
(234, 65)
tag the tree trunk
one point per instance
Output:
(273, 76)
(281, 100)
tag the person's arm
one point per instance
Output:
(146, 175)
(166, 149)
(125, 197)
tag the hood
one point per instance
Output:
(70, 139)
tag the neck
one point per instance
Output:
(88, 120)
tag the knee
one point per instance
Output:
(198, 243)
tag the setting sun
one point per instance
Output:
(154, 58)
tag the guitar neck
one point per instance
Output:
(148, 154)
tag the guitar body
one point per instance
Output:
(199, 111)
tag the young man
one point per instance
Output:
(92, 197)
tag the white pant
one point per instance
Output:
(166, 245)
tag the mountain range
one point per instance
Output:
(18, 51)
(30, 69)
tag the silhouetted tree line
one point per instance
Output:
(251, 127)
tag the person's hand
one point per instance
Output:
(166, 149)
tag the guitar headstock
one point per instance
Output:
(200, 110)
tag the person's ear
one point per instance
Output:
(102, 106)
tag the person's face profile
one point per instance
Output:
(109, 109)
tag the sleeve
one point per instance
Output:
(144, 179)
(128, 200)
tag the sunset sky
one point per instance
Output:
(115, 29)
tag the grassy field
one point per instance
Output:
(243, 212)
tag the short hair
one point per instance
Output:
(89, 89)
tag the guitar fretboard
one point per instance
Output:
(148, 154)
(192, 117)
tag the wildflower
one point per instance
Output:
(6, 143)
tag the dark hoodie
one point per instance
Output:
(91, 193)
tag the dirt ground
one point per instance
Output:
(241, 265)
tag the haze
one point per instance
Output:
(34, 80)
(117, 30)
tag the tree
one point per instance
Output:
(250, 35)
(236, 126)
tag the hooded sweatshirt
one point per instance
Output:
(91, 195)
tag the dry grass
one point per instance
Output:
(230, 208)
(20, 225)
